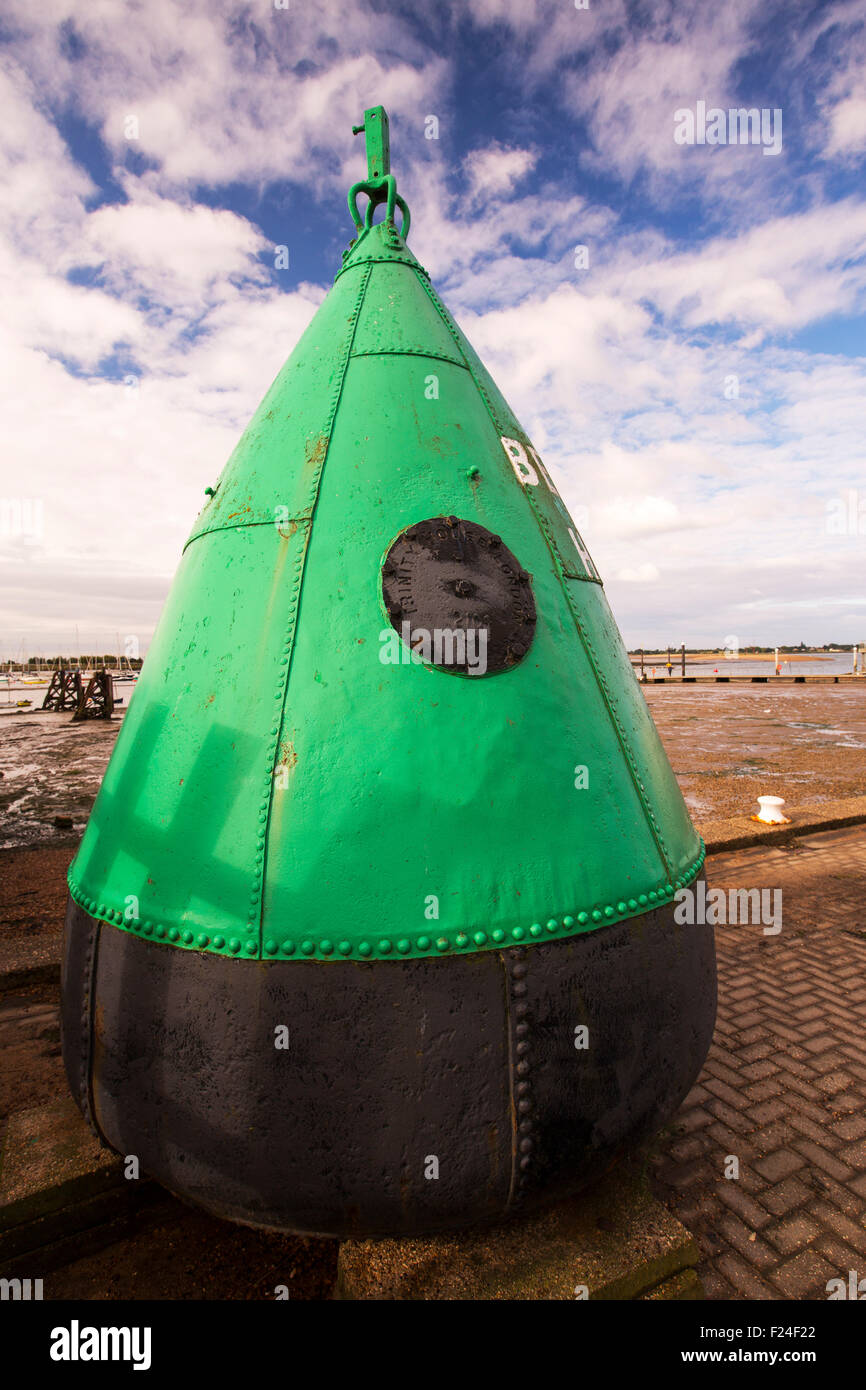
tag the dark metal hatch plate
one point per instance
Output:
(465, 597)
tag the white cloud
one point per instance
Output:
(222, 92)
(641, 574)
(699, 507)
(495, 170)
(848, 126)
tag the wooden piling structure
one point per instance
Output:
(64, 690)
(97, 701)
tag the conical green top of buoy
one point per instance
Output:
(387, 712)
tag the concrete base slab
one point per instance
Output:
(612, 1242)
(59, 1188)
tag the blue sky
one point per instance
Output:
(696, 389)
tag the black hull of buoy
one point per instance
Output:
(393, 1070)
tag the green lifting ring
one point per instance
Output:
(383, 190)
(380, 185)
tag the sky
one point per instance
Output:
(680, 326)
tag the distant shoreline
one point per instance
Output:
(693, 658)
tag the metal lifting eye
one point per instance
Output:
(380, 185)
(382, 190)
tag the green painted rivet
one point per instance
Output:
(442, 943)
(345, 948)
(159, 931)
(308, 947)
(596, 914)
(423, 943)
(271, 946)
(518, 933)
(219, 942)
(608, 911)
(622, 907)
(498, 934)
(101, 909)
(234, 945)
(479, 938)
(173, 933)
(462, 939)
(326, 947)
(188, 937)
(251, 948)
(365, 948)
(583, 918)
(536, 929)
(642, 899)
(404, 946)
(568, 921)
(202, 940)
(653, 895)
(287, 947)
(384, 947)
(552, 924)
(147, 928)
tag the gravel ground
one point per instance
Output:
(730, 744)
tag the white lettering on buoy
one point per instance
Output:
(519, 462)
(531, 474)
(582, 550)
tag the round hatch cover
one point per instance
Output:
(458, 597)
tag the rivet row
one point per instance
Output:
(383, 947)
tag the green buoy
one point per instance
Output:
(387, 783)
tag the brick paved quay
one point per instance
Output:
(784, 1086)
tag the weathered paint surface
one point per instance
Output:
(450, 889)
(407, 782)
(469, 1061)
